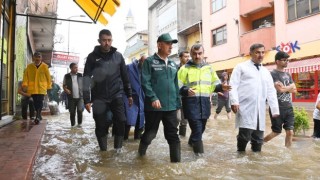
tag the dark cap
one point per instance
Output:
(280, 55)
(166, 38)
(37, 54)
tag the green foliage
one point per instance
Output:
(21, 54)
(301, 120)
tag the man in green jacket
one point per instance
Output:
(160, 85)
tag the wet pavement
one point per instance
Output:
(73, 153)
(19, 143)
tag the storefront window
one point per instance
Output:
(307, 89)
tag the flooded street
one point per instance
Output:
(73, 153)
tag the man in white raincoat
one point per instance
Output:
(252, 88)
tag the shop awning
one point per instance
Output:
(95, 8)
(306, 65)
(231, 63)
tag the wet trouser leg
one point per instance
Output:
(137, 129)
(182, 122)
(24, 107)
(100, 110)
(31, 108)
(80, 109)
(316, 128)
(197, 126)
(256, 140)
(170, 126)
(245, 135)
(119, 121)
(72, 110)
(38, 104)
(152, 119)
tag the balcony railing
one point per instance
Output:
(252, 6)
(263, 35)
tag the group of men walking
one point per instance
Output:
(152, 89)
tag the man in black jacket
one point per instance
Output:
(105, 74)
(72, 86)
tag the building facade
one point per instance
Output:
(137, 42)
(22, 33)
(189, 23)
(162, 18)
(231, 27)
(137, 45)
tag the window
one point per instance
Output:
(219, 36)
(217, 5)
(301, 8)
(262, 22)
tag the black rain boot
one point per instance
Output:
(175, 152)
(138, 133)
(190, 142)
(37, 119)
(198, 148)
(241, 145)
(118, 140)
(142, 149)
(182, 130)
(126, 132)
(256, 147)
(102, 141)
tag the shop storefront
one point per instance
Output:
(306, 75)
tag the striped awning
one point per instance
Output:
(306, 65)
(95, 9)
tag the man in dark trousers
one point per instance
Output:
(160, 85)
(72, 86)
(105, 74)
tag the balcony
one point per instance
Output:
(248, 7)
(263, 35)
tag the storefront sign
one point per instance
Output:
(288, 47)
(64, 59)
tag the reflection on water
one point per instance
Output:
(73, 153)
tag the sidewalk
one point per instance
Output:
(19, 143)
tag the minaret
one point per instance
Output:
(129, 26)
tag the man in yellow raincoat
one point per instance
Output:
(37, 80)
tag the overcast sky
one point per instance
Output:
(83, 37)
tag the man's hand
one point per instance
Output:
(235, 108)
(191, 92)
(88, 107)
(67, 91)
(130, 100)
(156, 104)
(226, 87)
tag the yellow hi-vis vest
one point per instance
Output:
(201, 78)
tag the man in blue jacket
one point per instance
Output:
(135, 113)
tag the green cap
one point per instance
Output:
(166, 38)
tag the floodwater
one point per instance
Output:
(73, 153)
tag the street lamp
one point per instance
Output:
(69, 35)
(69, 29)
